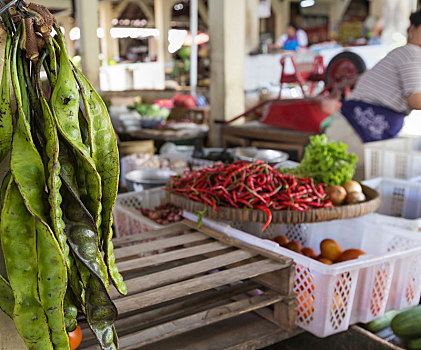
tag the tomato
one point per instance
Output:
(75, 338)
(186, 101)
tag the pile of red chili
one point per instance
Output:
(249, 185)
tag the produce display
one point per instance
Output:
(330, 250)
(325, 161)
(163, 214)
(404, 324)
(146, 110)
(58, 197)
(350, 193)
(254, 185)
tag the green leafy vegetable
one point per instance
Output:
(326, 162)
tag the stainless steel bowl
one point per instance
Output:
(139, 180)
(267, 155)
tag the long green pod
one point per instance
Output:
(54, 184)
(53, 62)
(6, 117)
(28, 172)
(64, 104)
(52, 285)
(18, 240)
(105, 155)
(82, 237)
(7, 300)
(22, 85)
(26, 164)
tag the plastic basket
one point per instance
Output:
(396, 158)
(400, 202)
(128, 220)
(331, 297)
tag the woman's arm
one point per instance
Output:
(414, 100)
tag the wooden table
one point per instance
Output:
(260, 135)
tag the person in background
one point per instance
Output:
(376, 108)
(293, 39)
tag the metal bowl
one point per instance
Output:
(267, 155)
(139, 180)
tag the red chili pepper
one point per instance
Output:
(268, 213)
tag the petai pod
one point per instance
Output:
(64, 104)
(52, 284)
(28, 173)
(54, 185)
(82, 236)
(18, 240)
(105, 155)
(6, 120)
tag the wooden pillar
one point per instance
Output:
(109, 45)
(336, 12)
(282, 13)
(227, 35)
(163, 24)
(252, 25)
(87, 19)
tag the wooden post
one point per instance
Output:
(109, 45)
(87, 19)
(252, 25)
(336, 12)
(162, 23)
(282, 12)
(227, 35)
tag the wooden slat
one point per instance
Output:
(134, 264)
(159, 244)
(281, 281)
(196, 285)
(186, 306)
(200, 319)
(150, 281)
(171, 229)
(237, 243)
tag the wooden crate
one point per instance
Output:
(187, 278)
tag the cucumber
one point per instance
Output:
(414, 344)
(408, 323)
(382, 322)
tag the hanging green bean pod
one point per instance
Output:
(18, 240)
(105, 155)
(64, 104)
(6, 119)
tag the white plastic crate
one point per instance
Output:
(331, 297)
(395, 158)
(128, 220)
(400, 202)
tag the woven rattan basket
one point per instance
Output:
(371, 204)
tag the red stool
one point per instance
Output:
(290, 78)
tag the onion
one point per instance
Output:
(336, 194)
(355, 197)
(352, 186)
